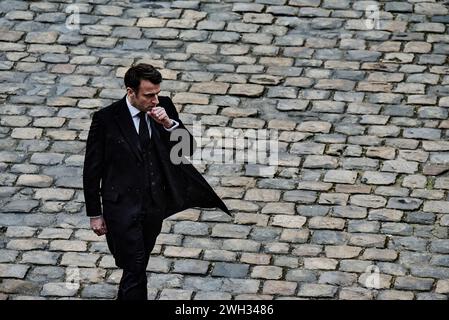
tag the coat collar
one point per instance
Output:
(133, 110)
(123, 117)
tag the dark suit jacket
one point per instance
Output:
(113, 168)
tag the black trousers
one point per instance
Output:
(133, 284)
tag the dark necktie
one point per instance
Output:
(144, 134)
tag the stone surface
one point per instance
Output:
(355, 175)
(59, 289)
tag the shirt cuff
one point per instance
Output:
(174, 126)
(95, 217)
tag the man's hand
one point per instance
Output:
(160, 116)
(98, 226)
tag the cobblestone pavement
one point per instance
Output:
(358, 206)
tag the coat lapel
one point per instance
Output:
(125, 122)
(186, 186)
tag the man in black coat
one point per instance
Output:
(133, 179)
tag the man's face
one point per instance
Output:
(147, 96)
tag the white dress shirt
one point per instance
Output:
(135, 116)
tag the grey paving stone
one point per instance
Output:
(442, 286)
(317, 290)
(378, 178)
(203, 284)
(191, 266)
(430, 296)
(240, 285)
(301, 275)
(225, 230)
(17, 271)
(438, 246)
(329, 237)
(385, 215)
(300, 196)
(369, 201)
(411, 283)
(20, 206)
(367, 240)
(45, 274)
(340, 176)
(400, 166)
(326, 223)
(279, 287)
(160, 281)
(212, 295)
(79, 259)
(260, 234)
(429, 272)
(354, 212)
(288, 221)
(404, 203)
(266, 272)
(40, 257)
(17, 286)
(338, 278)
(175, 294)
(363, 226)
(191, 228)
(99, 291)
(360, 164)
(59, 289)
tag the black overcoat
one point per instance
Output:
(112, 175)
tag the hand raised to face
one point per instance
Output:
(160, 116)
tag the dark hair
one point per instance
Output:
(141, 71)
